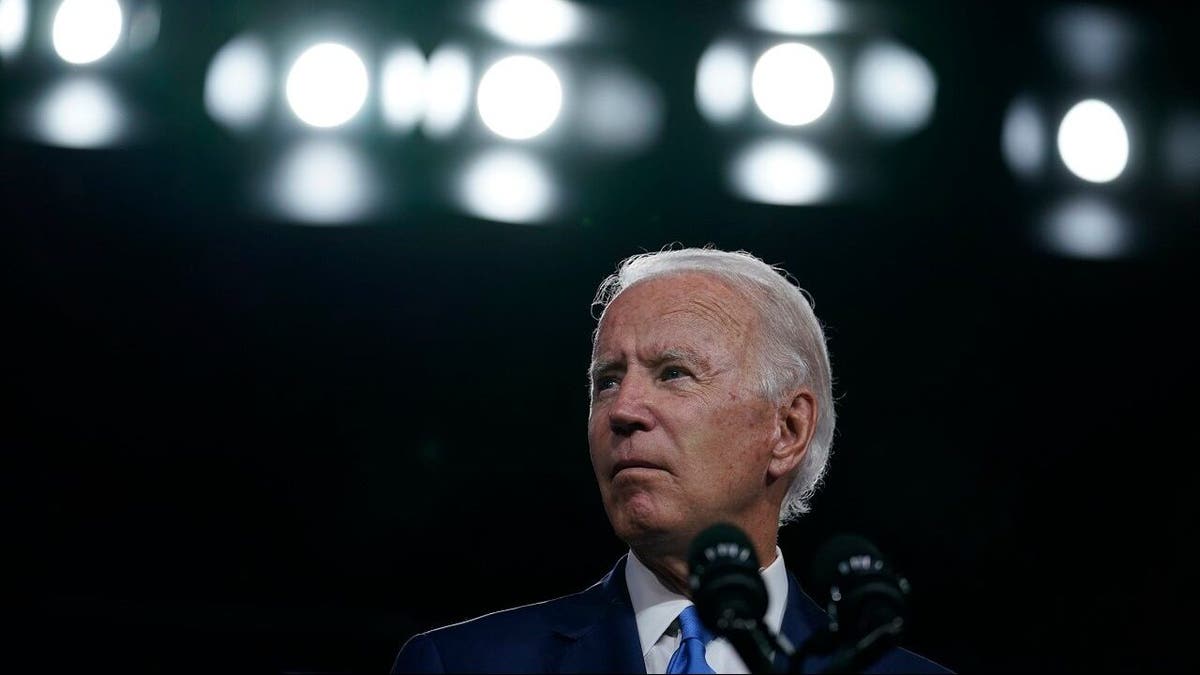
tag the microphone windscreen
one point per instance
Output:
(836, 551)
(724, 542)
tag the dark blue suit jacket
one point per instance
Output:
(589, 632)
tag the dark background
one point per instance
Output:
(233, 442)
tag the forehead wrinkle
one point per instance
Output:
(713, 311)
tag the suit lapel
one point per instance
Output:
(603, 634)
(801, 619)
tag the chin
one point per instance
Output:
(646, 525)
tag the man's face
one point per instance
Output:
(680, 435)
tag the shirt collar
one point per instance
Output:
(655, 607)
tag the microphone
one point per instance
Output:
(730, 595)
(867, 604)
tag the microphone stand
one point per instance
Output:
(754, 642)
(866, 651)
(851, 658)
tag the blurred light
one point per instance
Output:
(507, 186)
(531, 23)
(327, 85)
(1023, 138)
(792, 84)
(237, 87)
(519, 97)
(1094, 43)
(796, 17)
(14, 22)
(1087, 227)
(85, 30)
(402, 85)
(1092, 141)
(782, 172)
(449, 88)
(723, 82)
(894, 88)
(323, 181)
(144, 26)
(1181, 150)
(79, 113)
(620, 111)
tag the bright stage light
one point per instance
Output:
(796, 17)
(781, 172)
(1092, 141)
(519, 97)
(403, 88)
(85, 30)
(1023, 138)
(531, 23)
(327, 85)
(723, 82)
(237, 87)
(792, 84)
(894, 88)
(323, 182)
(507, 186)
(449, 90)
(14, 22)
(79, 113)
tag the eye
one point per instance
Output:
(673, 373)
(606, 382)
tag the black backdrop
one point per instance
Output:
(238, 443)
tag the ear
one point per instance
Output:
(797, 421)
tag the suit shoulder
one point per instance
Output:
(515, 638)
(904, 661)
(544, 615)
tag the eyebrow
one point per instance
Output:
(670, 354)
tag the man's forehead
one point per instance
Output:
(688, 297)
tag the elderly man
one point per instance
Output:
(711, 401)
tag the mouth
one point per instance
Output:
(633, 464)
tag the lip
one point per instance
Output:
(634, 464)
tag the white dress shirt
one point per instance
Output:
(656, 609)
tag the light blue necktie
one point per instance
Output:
(693, 637)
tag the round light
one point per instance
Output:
(519, 97)
(619, 110)
(85, 30)
(402, 87)
(894, 88)
(507, 186)
(327, 85)
(237, 88)
(322, 181)
(1088, 227)
(792, 84)
(1023, 138)
(781, 172)
(80, 113)
(532, 23)
(723, 82)
(14, 17)
(797, 17)
(448, 90)
(1092, 141)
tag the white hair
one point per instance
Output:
(792, 350)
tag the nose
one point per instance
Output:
(630, 411)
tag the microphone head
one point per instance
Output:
(726, 585)
(862, 589)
